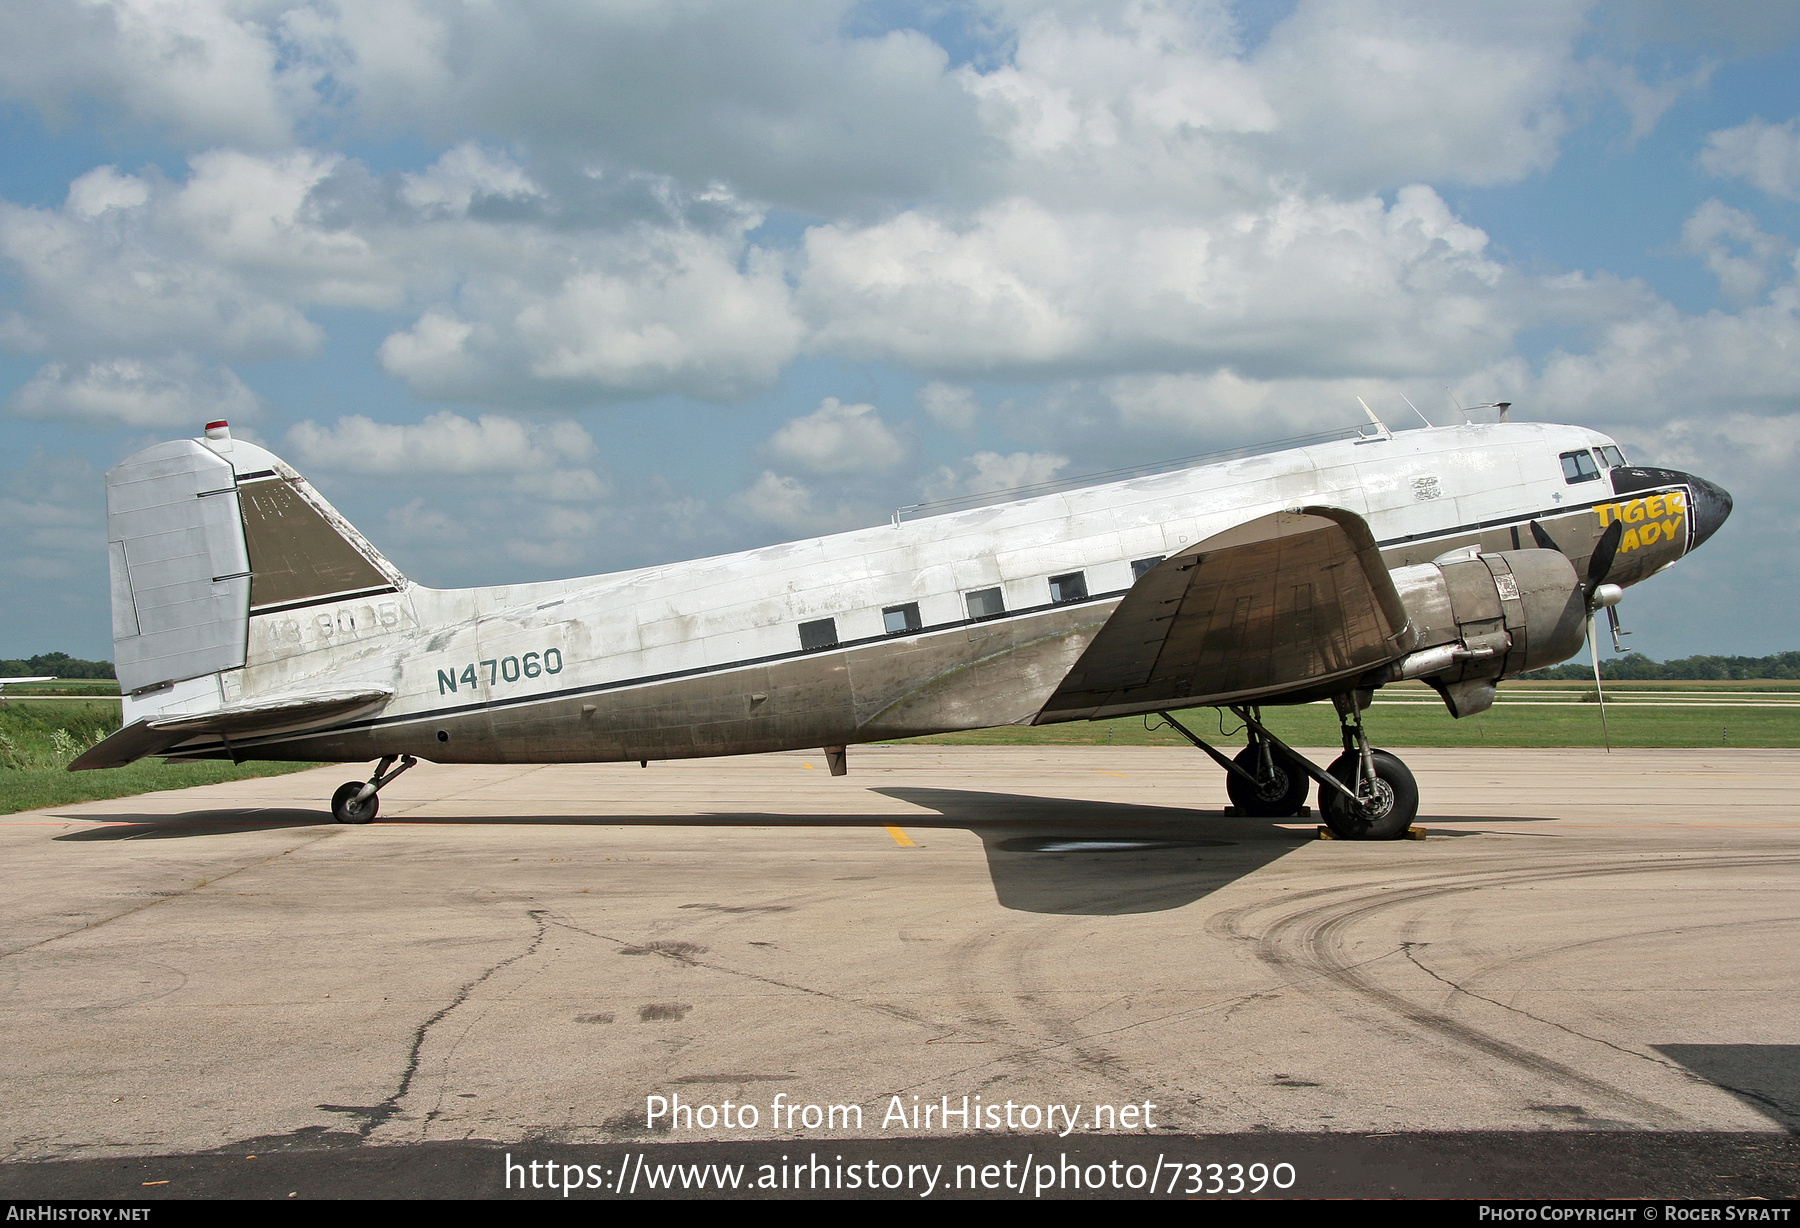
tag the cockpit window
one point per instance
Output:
(1579, 466)
(1614, 458)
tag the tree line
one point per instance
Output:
(58, 664)
(1635, 666)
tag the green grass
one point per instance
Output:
(36, 788)
(1503, 725)
(64, 686)
(44, 734)
(38, 739)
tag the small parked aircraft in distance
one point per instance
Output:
(250, 619)
(6, 682)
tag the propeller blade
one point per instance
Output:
(1599, 687)
(1542, 538)
(1601, 561)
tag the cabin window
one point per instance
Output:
(902, 618)
(1143, 567)
(1614, 458)
(1579, 466)
(1072, 587)
(986, 603)
(820, 634)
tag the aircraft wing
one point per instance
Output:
(6, 682)
(275, 714)
(1285, 603)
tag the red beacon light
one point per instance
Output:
(218, 430)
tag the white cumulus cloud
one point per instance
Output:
(837, 439)
(1306, 285)
(443, 444)
(178, 391)
(986, 473)
(616, 286)
(1764, 155)
(200, 70)
(1735, 249)
(951, 406)
(596, 317)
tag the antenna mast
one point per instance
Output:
(1415, 409)
(1379, 424)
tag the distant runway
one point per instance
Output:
(1586, 944)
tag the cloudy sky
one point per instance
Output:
(561, 286)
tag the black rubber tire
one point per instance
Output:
(1389, 821)
(1282, 798)
(346, 809)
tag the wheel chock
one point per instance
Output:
(1305, 812)
(1411, 833)
(1231, 812)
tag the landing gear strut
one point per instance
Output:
(1266, 780)
(1366, 794)
(357, 801)
(1377, 798)
(1278, 786)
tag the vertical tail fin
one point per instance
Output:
(205, 533)
(302, 551)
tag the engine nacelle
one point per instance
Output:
(1484, 617)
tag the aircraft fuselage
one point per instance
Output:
(959, 621)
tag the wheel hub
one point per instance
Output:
(1273, 787)
(1375, 804)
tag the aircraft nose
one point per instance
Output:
(1712, 504)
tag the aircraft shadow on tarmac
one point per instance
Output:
(1092, 858)
(1044, 855)
(1765, 1077)
(192, 823)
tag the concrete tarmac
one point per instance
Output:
(538, 955)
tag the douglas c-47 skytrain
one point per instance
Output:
(251, 620)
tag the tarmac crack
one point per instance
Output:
(1407, 949)
(687, 958)
(1321, 925)
(374, 1116)
(209, 881)
(1016, 1050)
(1785, 1113)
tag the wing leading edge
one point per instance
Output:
(1282, 604)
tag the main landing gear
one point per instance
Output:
(357, 801)
(1366, 794)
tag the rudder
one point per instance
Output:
(180, 570)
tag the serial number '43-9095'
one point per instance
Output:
(501, 669)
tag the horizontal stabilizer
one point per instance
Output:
(273, 714)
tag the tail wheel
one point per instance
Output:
(346, 808)
(1280, 795)
(1387, 815)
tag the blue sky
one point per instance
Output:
(579, 286)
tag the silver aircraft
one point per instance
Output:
(251, 620)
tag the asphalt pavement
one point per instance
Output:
(1580, 983)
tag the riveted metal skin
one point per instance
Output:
(1277, 578)
(1488, 618)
